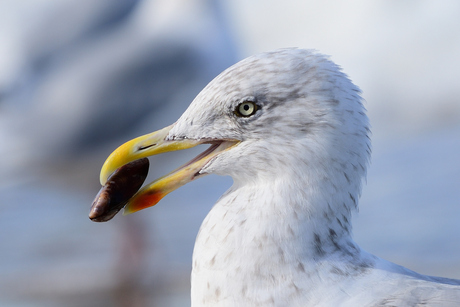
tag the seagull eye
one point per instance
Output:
(246, 109)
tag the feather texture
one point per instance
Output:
(282, 235)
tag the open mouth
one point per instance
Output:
(126, 169)
(207, 156)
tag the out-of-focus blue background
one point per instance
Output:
(79, 77)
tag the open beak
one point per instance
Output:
(153, 144)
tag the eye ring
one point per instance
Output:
(246, 109)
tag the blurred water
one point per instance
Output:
(50, 249)
(410, 207)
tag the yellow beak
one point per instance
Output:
(153, 144)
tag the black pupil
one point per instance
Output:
(246, 107)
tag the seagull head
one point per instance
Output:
(290, 112)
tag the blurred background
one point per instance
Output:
(80, 77)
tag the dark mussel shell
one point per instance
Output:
(119, 188)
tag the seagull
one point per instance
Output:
(291, 130)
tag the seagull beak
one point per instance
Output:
(153, 144)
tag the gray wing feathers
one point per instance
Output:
(429, 294)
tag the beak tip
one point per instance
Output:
(126, 211)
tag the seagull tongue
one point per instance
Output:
(119, 188)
